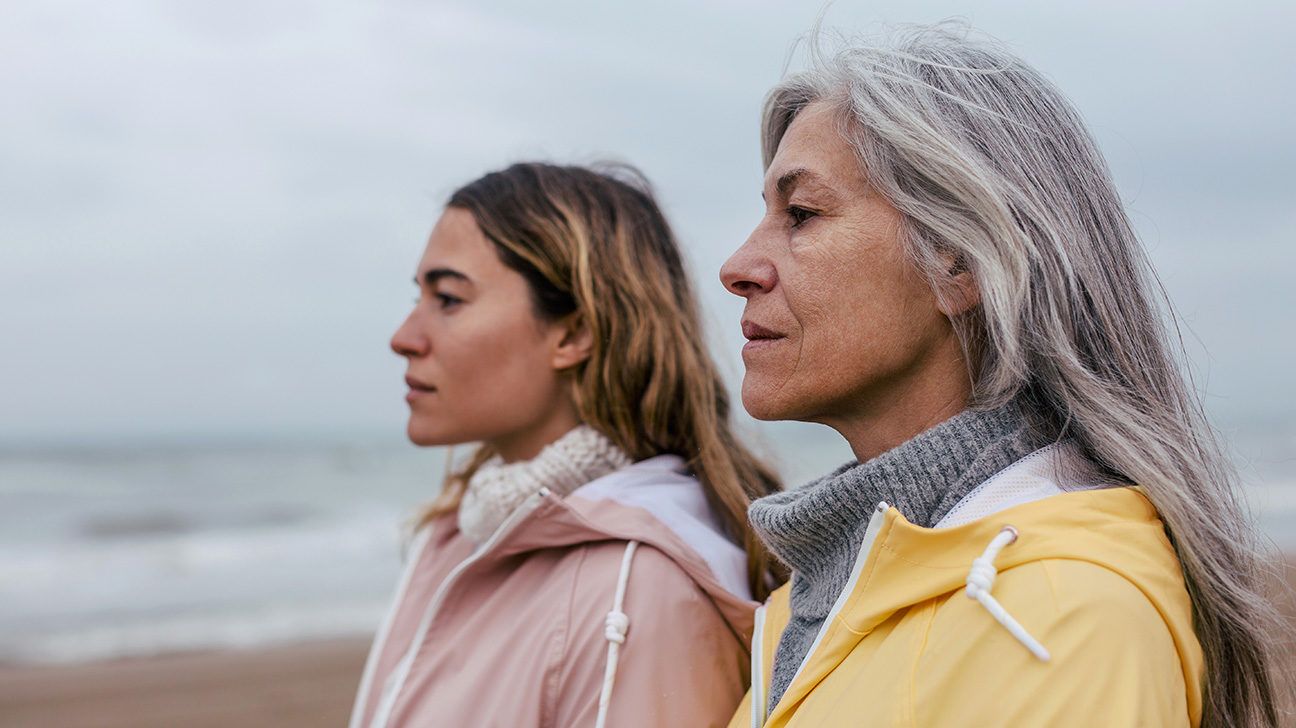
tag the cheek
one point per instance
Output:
(882, 326)
(493, 379)
(499, 368)
(857, 325)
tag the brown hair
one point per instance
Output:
(594, 244)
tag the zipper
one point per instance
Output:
(758, 670)
(392, 690)
(866, 546)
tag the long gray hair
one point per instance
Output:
(993, 168)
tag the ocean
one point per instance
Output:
(143, 550)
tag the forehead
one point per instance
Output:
(457, 242)
(814, 142)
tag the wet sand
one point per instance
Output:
(300, 685)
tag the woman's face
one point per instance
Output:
(840, 324)
(482, 366)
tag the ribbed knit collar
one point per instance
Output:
(497, 488)
(816, 529)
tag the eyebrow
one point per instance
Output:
(432, 275)
(790, 179)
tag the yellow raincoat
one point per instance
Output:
(1091, 577)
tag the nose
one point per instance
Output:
(748, 271)
(408, 341)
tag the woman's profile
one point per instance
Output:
(591, 564)
(1039, 528)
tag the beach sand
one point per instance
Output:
(300, 685)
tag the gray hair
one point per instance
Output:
(992, 167)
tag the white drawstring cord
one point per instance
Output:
(616, 625)
(981, 578)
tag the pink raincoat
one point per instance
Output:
(517, 632)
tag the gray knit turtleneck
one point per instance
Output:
(817, 529)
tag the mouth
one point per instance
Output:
(758, 336)
(417, 388)
(756, 332)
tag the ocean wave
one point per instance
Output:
(78, 600)
(267, 625)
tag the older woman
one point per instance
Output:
(1040, 528)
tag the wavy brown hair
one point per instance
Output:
(593, 243)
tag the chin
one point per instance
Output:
(425, 436)
(763, 404)
(778, 401)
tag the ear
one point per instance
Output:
(574, 343)
(959, 292)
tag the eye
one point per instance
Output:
(447, 301)
(799, 215)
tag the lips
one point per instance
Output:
(418, 387)
(755, 332)
(759, 339)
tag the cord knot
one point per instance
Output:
(615, 627)
(981, 577)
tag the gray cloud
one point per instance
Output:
(209, 212)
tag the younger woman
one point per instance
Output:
(592, 563)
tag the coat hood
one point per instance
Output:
(655, 502)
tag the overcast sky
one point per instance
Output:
(210, 211)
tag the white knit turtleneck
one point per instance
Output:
(496, 489)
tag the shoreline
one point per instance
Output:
(292, 686)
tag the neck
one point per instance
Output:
(882, 419)
(526, 444)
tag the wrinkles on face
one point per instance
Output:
(862, 317)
